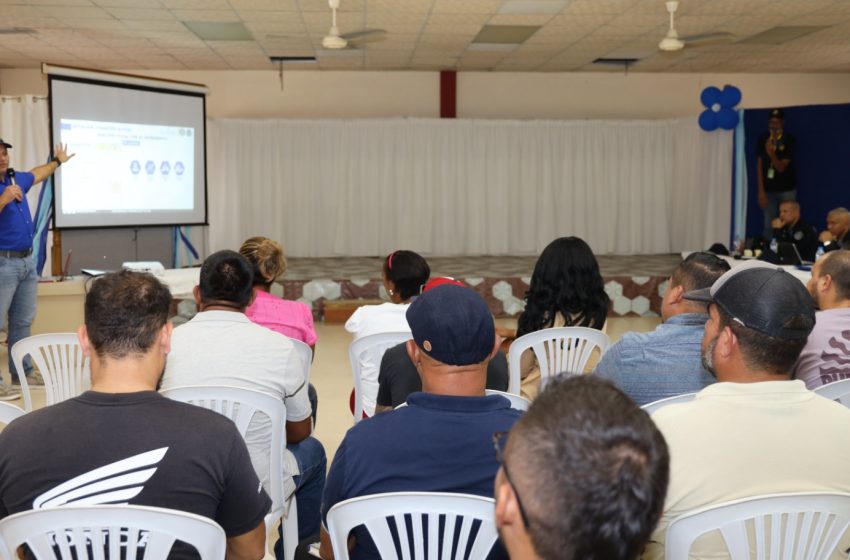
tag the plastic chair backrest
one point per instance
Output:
(776, 526)
(661, 403)
(458, 510)
(9, 412)
(108, 527)
(60, 360)
(306, 355)
(558, 350)
(240, 404)
(836, 391)
(369, 349)
(518, 402)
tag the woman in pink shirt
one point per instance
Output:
(290, 318)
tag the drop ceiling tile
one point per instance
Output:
(140, 13)
(602, 7)
(75, 12)
(499, 19)
(217, 16)
(196, 4)
(322, 6)
(466, 6)
(128, 3)
(402, 6)
(78, 3)
(265, 5)
(155, 25)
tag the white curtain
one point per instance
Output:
(24, 124)
(468, 187)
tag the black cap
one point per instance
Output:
(764, 298)
(777, 114)
(4, 143)
(453, 325)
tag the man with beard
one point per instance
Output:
(826, 356)
(122, 442)
(755, 431)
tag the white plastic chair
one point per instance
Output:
(9, 412)
(661, 403)
(370, 349)
(108, 527)
(518, 402)
(558, 350)
(240, 404)
(60, 360)
(777, 526)
(836, 391)
(306, 355)
(374, 512)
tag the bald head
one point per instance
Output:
(789, 212)
(838, 222)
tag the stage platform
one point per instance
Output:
(635, 284)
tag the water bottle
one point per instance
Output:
(819, 253)
(774, 246)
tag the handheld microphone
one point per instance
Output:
(11, 174)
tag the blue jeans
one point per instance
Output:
(772, 209)
(18, 289)
(312, 463)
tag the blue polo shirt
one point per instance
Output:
(16, 226)
(435, 444)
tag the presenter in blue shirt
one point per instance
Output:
(18, 279)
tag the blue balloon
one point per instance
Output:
(729, 97)
(710, 96)
(727, 118)
(708, 120)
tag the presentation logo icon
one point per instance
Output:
(179, 168)
(150, 167)
(135, 167)
(165, 168)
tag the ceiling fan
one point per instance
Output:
(335, 40)
(672, 42)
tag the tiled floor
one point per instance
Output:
(331, 375)
(482, 266)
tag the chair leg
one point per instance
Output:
(290, 529)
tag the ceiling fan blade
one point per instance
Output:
(365, 35)
(715, 36)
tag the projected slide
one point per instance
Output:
(127, 167)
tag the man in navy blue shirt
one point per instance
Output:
(18, 278)
(443, 440)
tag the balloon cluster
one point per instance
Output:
(719, 108)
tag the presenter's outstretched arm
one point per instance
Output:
(60, 156)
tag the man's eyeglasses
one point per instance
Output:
(500, 439)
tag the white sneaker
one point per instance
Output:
(34, 379)
(8, 393)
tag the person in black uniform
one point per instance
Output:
(777, 179)
(790, 227)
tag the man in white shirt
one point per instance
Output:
(755, 431)
(826, 356)
(221, 346)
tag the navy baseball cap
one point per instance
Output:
(453, 325)
(4, 143)
(764, 298)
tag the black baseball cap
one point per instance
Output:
(453, 325)
(776, 113)
(4, 143)
(764, 298)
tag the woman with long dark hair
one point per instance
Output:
(566, 291)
